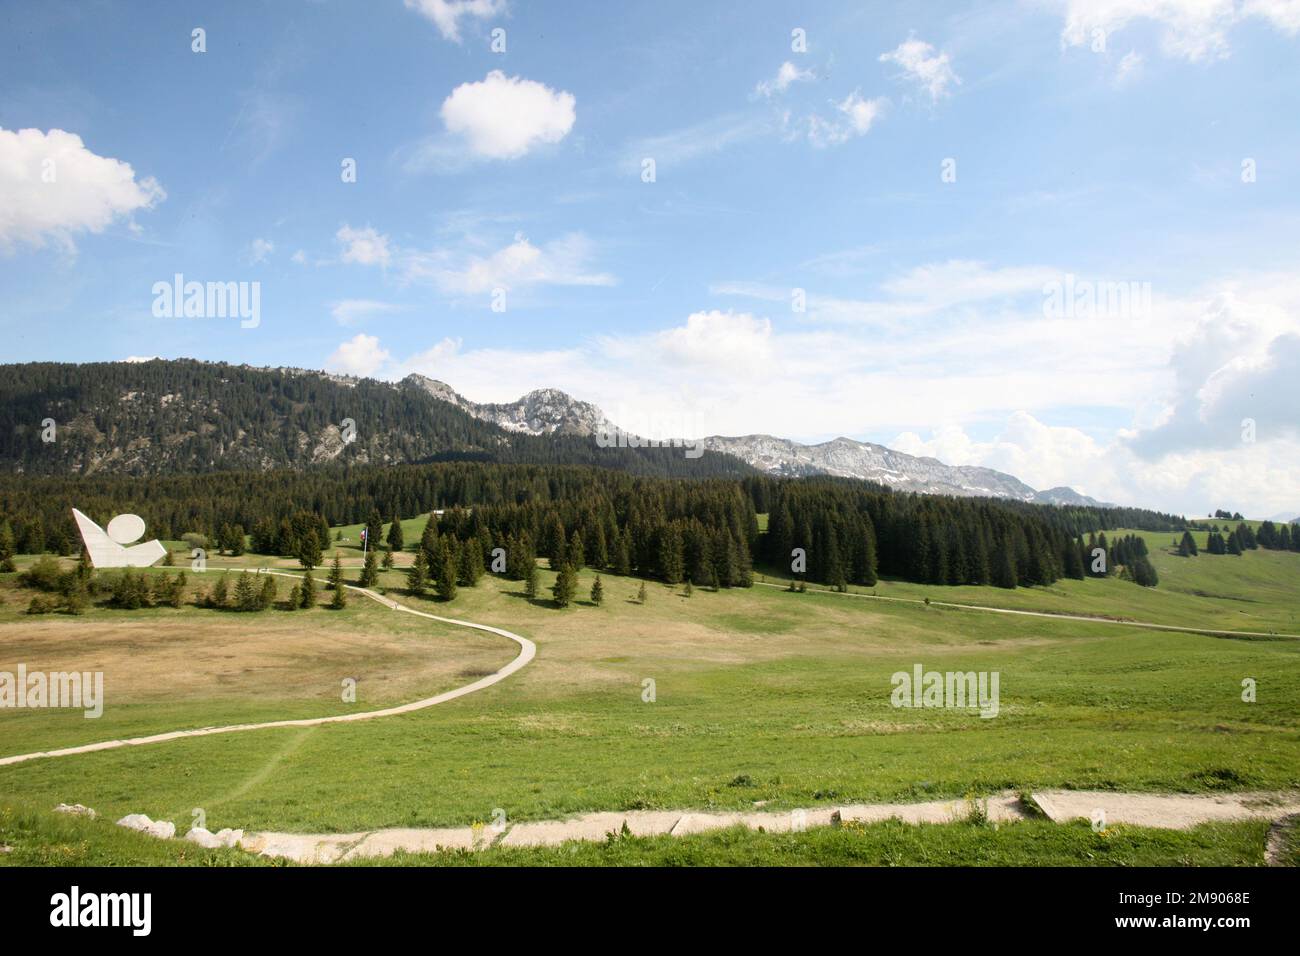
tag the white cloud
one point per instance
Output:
(503, 117)
(743, 339)
(786, 74)
(259, 250)
(359, 355)
(350, 311)
(367, 246)
(299, 258)
(1195, 30)
(447, 14)
(1129, 69)
(923, 65)
(562, 261)
(52, 187)
(981, 353)
(856, 118)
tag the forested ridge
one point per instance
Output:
(676, 530)
(173, 416)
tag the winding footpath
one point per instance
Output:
(527, 651)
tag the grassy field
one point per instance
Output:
(181, 668)
(41, 838)
(1258, 591)
(760, 695)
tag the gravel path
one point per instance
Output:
(527, 651)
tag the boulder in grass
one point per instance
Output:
(212, 841)
(75, 809)
(162, 829)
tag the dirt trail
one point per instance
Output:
(527, 652)
(1213, 632)
(1167, 811)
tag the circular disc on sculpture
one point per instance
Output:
(125, 528)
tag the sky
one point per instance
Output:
(1058, 238)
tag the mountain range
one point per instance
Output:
(163, 416)
(550, 411)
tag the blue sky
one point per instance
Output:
(1095, 140)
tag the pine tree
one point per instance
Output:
(267, 598)
(386, 562)
(640, 593)
(417, 576)
(307, 594)
(336, 573)
(566, 583)
(340, 600)
(1005, 565)
(220, 591)
(370, 571)
(295, 598)
(530, 581)
(395, 540)
(374, 530)
(688, 590)
(309, 555)
(597, 592)
(1187, 547)
(447, 568)
(7, 565)
(245, 594)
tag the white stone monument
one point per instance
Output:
(107, 549)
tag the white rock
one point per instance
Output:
(211, 841)
(162, 829)
(76, 809)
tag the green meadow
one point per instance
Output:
(719, 700)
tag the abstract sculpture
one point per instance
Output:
(107, 548)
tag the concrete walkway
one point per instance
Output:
(1165, 811)
(527, 651)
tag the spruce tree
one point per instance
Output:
(370, 571)
(530, 581)
(395, 540)
(336, 573)
(340, 600)
(640, 593)
(566, 583)
(309, 555)
(307, 594)
(447, 569)
(417, 576)
(267, 598)
(597, 592)
(245, 594)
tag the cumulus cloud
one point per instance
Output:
(786, 75)
(1229, 371)
(1195, 30)
(504, 117)
(52, 188)
(359, 355)
(447, 14)
(367, 246)
(979, 359)
(924, 66)
(743, 339)
(856, 116)
(563, 261)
